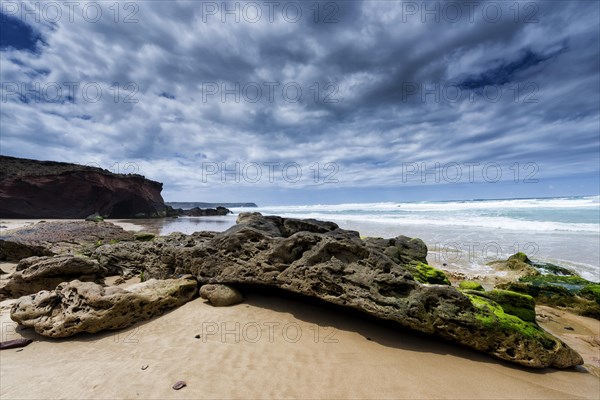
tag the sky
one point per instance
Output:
(310, 102)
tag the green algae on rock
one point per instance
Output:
(569, 292)
(425, 273)
(513, 303)
(591, 292)
(518, 263)
(520, 257)
(471, 285)
(495, 317)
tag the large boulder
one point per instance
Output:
(46, 273)
(58, 237)
(75, 307)
(12, 249)
(156, 258)
(47, 189)
(571, 293)
(518, 265)
(319, 260)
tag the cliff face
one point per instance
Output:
(46, 189)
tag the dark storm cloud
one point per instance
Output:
(378, 83)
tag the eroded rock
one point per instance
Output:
(317, 259)
(335, 265)
(155, 259)
(220, 295)
(75, 307)
(46, 273)
(59, 237)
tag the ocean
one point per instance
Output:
(460, 235)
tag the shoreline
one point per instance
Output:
(450, 257)
(337, 355)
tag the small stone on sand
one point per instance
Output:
(179, 384)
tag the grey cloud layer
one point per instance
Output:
(378, 59)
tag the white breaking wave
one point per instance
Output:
(486, 222)
(555, 203)
(496, 214)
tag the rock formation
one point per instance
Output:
(572, 293)
(58, 237)
(75, 307)
(206, 212)
(317, 259)
(46, 189)
(220, 295)
(46, 273)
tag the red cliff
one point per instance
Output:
(47, 189)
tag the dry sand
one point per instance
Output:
(272, 347)
(281, 348)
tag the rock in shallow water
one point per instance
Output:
(76, 307)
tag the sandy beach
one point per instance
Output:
(7, 224)
(279, 347)
(273, 347)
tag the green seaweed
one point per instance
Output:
(425, 273)
(572, 283)
(521, 257)
(513, 303)
(591, 292)
(520, 262)
(493, 316)
(584, 301)
(471, 285)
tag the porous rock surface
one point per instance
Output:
(58, 237)
(46, 273)
(75, 307)
(317, 259)
(221, 295)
